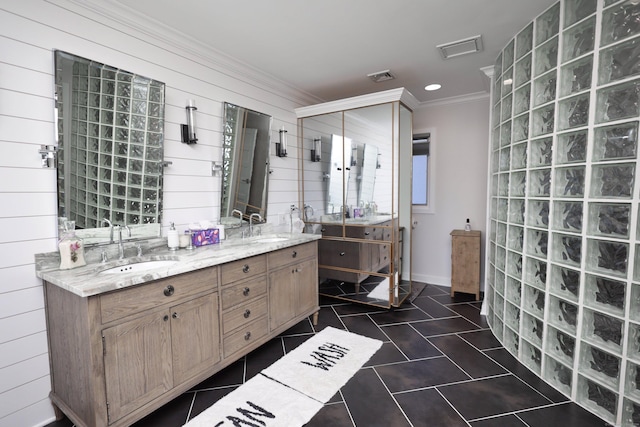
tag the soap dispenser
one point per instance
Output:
(467, 226)
(173, 239)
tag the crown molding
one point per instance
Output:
(462, 99)
(399, 94)
(186, 46)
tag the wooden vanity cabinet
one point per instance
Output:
(117, 356)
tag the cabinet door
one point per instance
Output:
(137, 362)
(293, 290)
(282, 296)
(306, 283)
(195, 337)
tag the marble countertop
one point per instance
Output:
(87, 281)
(370, 220)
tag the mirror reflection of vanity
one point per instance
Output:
(356, 196)
(245, 163)
(110, 148)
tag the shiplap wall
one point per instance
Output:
(29, 31)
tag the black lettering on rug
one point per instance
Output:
(248, 417)
(326, 356)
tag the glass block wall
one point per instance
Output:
(563, 269)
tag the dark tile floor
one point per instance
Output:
(439, 366)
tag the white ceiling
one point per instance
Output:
(327, 47)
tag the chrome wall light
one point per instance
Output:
(189, 130)
(281, 147)
(316, 151)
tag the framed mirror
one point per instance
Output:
(245, 162)
(110, 134)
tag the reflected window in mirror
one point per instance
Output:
(245, 163)
(110, 132)
(421, 160)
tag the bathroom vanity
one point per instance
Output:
(123, 344)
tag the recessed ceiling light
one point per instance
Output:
(434, 86)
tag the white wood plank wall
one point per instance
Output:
(29, 31)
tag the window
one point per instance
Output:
(421, 193)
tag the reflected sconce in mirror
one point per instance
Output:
(189, 130)
(378, 165)
(281, 147)
(354, 156)
(316, 151)
(48, 155)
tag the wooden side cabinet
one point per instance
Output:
(465, 262)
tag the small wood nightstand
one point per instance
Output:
(465, 262)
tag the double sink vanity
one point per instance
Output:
(127, 336)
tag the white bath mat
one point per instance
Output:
(259, 402)
(381, 291)
(323, 363)
(292, 390)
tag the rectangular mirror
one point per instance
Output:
(245, 163)
(110, 133)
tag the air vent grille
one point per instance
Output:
(460, 47)
(381, 76)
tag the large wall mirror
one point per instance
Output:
(110, 135)
(245, 162)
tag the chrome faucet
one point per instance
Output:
(308, 208)
(236, 211)
(120, 245)
(253, 215)
(105, 220)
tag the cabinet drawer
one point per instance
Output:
(340, 254)
(125, 302)
(242, 292)
(243, 314)
(291, 255)
(243, 269)
(331, 230)
(245, 336)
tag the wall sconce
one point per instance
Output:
(216, 168)
(378, 165)
(281, 147)
(189, 130)
(48, 154)
(316, 151)
(354, 156)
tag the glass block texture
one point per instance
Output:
(564, 247)
(115, 169)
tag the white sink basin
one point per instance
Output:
(139, 267)
(272, 239)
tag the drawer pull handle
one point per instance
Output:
(247, 313)
(245, 268)
(341, 253)
(296, 270)
(246, 291)
(247, 336)
(294, 254)
(165, 318)
(169, 290)
(323, 229)
(366, 233)
(175, 315)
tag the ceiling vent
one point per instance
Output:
(381, 76)
(461, 47)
